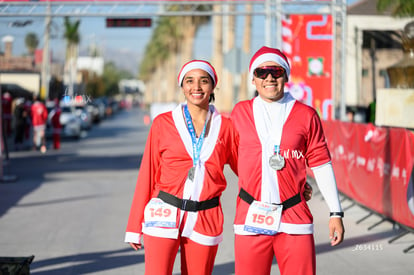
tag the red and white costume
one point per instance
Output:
(39, 119)
(302, 144)
(164, 167)
(161, 169)
(278, 140)
(39, 114)
(177, 197)
(57, 126)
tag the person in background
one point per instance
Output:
(7, 101)
(350, 115)
(20, 117)
(28, 125)
(279, 138)
(176, 204)
(39, 116)
(56, 125)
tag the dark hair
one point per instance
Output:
(212, 97)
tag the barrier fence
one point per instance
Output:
(374, 167)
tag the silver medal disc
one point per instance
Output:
(191, 173)
(277, 162)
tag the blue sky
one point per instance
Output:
(124, 46)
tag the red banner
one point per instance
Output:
(307, 39)
(374, 167)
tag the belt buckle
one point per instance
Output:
(184, 204)
(189, 205)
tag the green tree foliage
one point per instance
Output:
(166, 38)
(72, 36)
(95, 86)
(398, 8)
(31, 41)
(111, 77)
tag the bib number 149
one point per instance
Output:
(160, 214)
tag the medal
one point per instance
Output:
(277, 162)
(191, 173)
(197, 143)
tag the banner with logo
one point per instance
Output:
(307, 41)
(374, 167)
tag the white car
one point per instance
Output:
(71, 123)
(85, 117)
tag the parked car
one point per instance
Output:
(97, 109)
(71, 123)
(84, 115)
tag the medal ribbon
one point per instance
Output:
(277, 149)
(197, 144)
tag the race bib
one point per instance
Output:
(263, 218)
(157, 213)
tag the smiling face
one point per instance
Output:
(270, 89)
(197, 86)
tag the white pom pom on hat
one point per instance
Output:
(197, 64)
(265, 54)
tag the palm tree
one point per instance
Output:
(398, 8)
(173, 36)
(32, 41)
(247, 37)
(72, 37)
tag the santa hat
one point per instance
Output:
(197, 64)
(265, 54)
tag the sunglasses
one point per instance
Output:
(263, 72)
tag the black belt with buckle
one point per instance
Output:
(292, 201)
(188, 205)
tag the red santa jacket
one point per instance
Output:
(164, 167)
(55, 120)
(39, 114)
(302, 143)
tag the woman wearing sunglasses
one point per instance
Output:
(176, 203)
(279, 138)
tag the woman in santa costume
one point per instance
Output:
(176, 204)
(279, 138)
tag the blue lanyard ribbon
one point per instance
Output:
(197, 144)
(277, 149)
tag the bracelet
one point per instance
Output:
(338, 214)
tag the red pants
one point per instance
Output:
(295, 254)
(56, 141)
(160, 253)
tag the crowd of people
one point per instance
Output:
(25, 120)
(269, 141)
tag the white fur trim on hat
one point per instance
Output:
(269, 57)
(197, 64)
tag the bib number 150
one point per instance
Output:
(263, 219)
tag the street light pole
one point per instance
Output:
(45, 75)
(3, 178)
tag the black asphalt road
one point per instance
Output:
(69, 208)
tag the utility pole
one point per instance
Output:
(3, 145)
(45, 75)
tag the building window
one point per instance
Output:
(383, 73)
